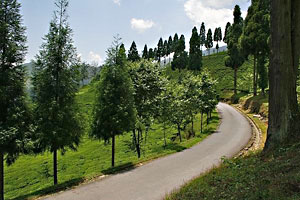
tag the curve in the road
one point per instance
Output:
(154, 180)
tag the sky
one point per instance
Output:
(95, 22)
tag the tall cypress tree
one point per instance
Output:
(165, 50)
(55, 86)
(235, 57)
(175, 42)
(14, 113)
(133, 54)
(227, 28)
(160, 49)
(209, 40)
(170, 44)
(180, 60)
(145, 52)
(195, 56)
(218, 37)
(202, 35)
(151, 54)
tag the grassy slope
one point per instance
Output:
(31, 176)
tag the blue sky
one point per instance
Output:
(95, 22)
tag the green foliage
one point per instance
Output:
(262, 72)
(180, 60)
(195, 55)
(175, 42)
(160, 49)
(226, 33)
(170, 45)
(133, 54)
(209, 40)
(145, 52)
(202, 35)
(218, 37)
(151, 54)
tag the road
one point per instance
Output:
(159, 177)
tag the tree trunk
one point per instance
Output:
(179, 133)
(1, 176)
(55, 167)
(201, 122)
(284, 62)
(113, 150)
(138, 147)
(235, 79)
(165, 140)
(193, 124)
(254, 77)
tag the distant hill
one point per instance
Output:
(214, 50)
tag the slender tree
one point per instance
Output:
(160, 49)
(227, 28)
(145, 52)
(151, 54)
(218, 37)
(202, 35)
(180, 60)
(209, 40)
(235, 57)
(114, 111)
(55, 85)
(170, 44)
(14, 112)
(284, 63)
(195, 55)
(133, 54)
(175, 42)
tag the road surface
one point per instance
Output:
(159, 177)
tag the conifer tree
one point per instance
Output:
(133, 54)
(209, 40)
(218, 37)
(145, 52)
(175, 42)
(227, 29)
(180, 60)
(55, 85)
(160, 49)
(14, 112)
(151, 54)
(114, 111)
(195, 55)
(170, 44)
(202, 35)
(165, 50)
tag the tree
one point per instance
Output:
(209, 41)
(180, 59)
(202, 35)
(284, 63)
(218, 37)
(195, 55)
(170, 44)
(263, 74)
(15, 114)
(227, 28)
(84, 71)
(160, 49)
(235, 57)
(113, 112)
(55, 85)
(151, 54)
(165, 51)
(145, 52)
(133, 54)
(175, 42)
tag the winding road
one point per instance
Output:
(159, 177)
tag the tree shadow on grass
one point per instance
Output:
(51, 190)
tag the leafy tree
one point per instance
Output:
(114, 111)
(202, 35)
(15, 114)
(227, 28)
(218, 37)
(235, 57)
(195, 56)
(145, 52)
(209, 41)
(133, 54)
(175, 42)
(160, 49)
(55, 85)
(284, 63)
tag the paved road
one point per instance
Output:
(155, 179)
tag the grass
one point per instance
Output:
(31, 176)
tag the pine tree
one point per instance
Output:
(195, 55)
(175, 42)
(133, 54)
(160, 49)
(209, 41)
(151, 54)
(55, 85)
(145, 52)
(114, 111)
(202, 35)
(235, 57)
(14, 112)
(170, 44)
(165, 51)
(218, 37)
(180, 60)
(227, 28)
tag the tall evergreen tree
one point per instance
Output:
(227, 28)
(114, 111)
(218, 37)
(14, 113)
(170, 44)
(151, 54)
(180, 59)
(133, 54)
(195, 55)
(55, 85)
(209, 40)
(235, 57)
(202, 35)
(175, 42)
(160, 49)
(145, 52)
(165, 50)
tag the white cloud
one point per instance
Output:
(95, 58)
(118, 2)
(141, 25)
(214, 13)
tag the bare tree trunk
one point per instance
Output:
(254, 76)
(284, 62)
(55, 167)
(113, 150)
(235, 80)
(1, 176)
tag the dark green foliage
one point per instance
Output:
(218, 37)
(160, 49)
(202, 35)
(227, 28)
(195, 54)
(262, 72)
(170, 45)
(209, 40)
(145, 52)
(151, 54)
(133, 54)
(165, 50)
(55, 85)
(180, 59)
(175, 42)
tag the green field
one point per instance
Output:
(31, 176)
